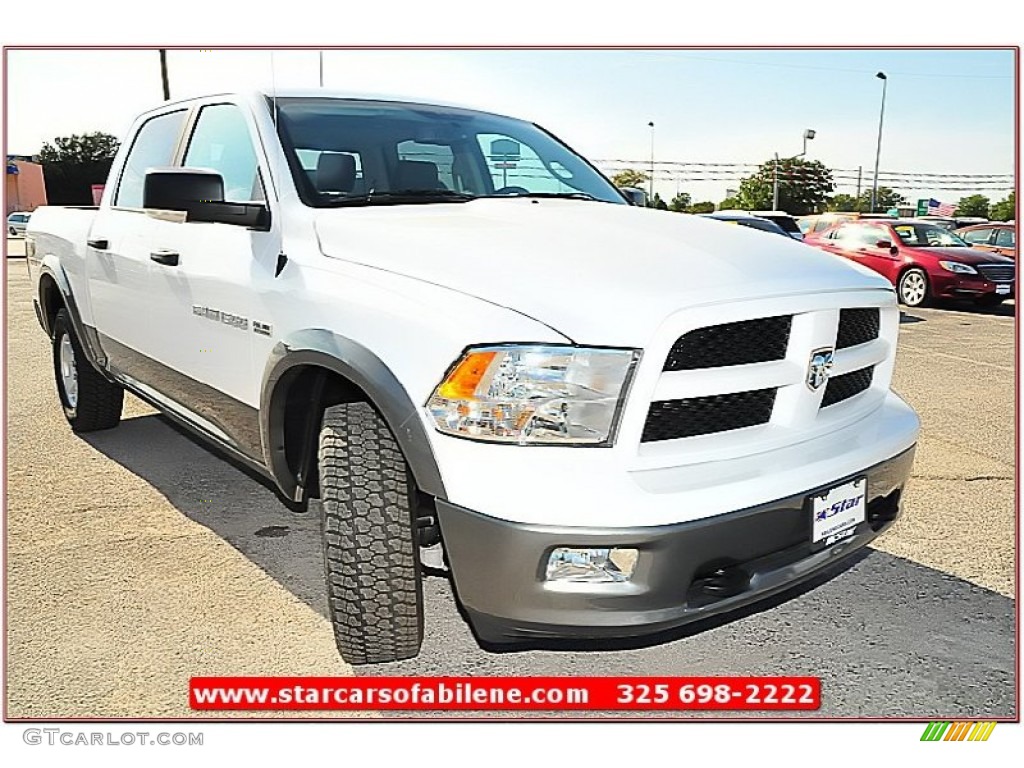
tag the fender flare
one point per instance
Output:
(363, 368)
(51, 267)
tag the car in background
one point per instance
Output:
(924, 261)
(746, 220)
(17, 221)
(994, 236)
(818, 222)
(786, 222)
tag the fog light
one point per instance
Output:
(591, 565)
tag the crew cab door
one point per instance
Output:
(204, 283)
(117, 252)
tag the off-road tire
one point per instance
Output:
(99, 401)
(370, 553)
(909, 291)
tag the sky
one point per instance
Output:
(946, 111)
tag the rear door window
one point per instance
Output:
(978, 236)
(1005, 238)
(154, 147)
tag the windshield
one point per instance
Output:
(927, 236)
(354, 152)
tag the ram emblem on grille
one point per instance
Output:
(819, 368)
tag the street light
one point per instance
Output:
(809, 134)
(651, 180)
(878, 148)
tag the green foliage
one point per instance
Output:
(680, 203)
(885, 199)
(630, 178)
(973, 205)
(1005, 210)
(729, 204)
(72, 164)
(804, 186)
(657, 202)
(844, 202)
(705, 207)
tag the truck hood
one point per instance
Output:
(598, 273)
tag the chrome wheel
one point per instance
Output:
(68, 371)
(913, 288)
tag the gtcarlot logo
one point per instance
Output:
(68, 738)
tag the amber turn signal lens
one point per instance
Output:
(465, 378)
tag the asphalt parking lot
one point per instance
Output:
(137, 559)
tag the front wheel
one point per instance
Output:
(90, 401)
(370, 550)
(913, 288)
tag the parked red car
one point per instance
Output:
(922, 260)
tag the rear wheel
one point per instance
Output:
(90, 401)
(370, 551)
(913, 288)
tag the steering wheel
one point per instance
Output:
(512, 191)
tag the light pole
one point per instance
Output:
(809, 134)
(163, 74)
(878, 148)
(650, 193)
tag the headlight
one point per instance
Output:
(534, 395)
(956, 266)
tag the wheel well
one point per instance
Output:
(302, 395)
(50, 301)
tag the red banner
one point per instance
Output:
(467, 694)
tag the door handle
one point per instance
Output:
(98, 243)
(167, 258)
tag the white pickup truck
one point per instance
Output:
(458, 335)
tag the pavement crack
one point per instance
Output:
(962, 478)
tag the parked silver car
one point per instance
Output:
(16, 223)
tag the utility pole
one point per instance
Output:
(775, 184)
(321, 69)
(651, 180)
(163, 74)
(859, 169)
(878, 148)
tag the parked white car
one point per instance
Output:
(452, 330)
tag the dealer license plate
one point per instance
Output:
(837, 513)
(1002, 290)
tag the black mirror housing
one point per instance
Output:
(200, 194)
(634, 195)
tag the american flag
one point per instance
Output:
(935, 208)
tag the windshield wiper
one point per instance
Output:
(560, 195)
(403, 196)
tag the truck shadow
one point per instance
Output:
(227, 498)
(240, 507)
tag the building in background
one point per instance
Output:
(24, 189)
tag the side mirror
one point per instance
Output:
(883, 244)
(635, 196)
(200, 194)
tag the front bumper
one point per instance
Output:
(684, 572)
(950, 286)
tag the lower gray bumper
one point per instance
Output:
(684, 572)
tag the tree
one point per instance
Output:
(1005, 210)
(72, 164)
(705, 207)
(657, 202)
(729, 204)
(885, 199)
(973, 205)
(803, 186)
(680, 203)
(630, 178)
(844, 202)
